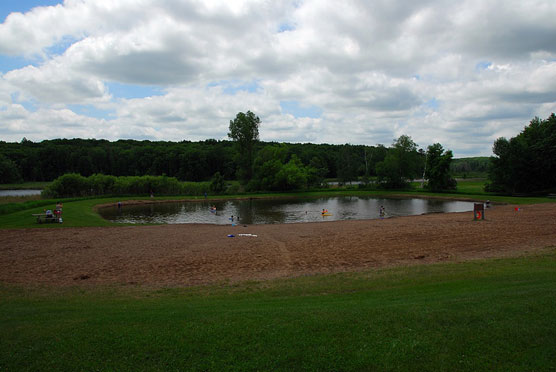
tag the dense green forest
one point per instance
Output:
(257, 165)
(187, 161)
(470, 167)
(47, 160)
(524, 164)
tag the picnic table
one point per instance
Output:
(43, 217)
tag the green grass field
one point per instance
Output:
(495, 315)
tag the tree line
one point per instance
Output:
(28, 161)
(523, 164)
(256, 164)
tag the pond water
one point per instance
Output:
(268, 211)
(19, 192)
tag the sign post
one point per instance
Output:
(478, 211)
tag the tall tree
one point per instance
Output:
(526, 163)
(401, 164)
(437, 169)
(244, 131)
(8, 171)
(347, 163)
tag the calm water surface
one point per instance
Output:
(19, 192)
(267, 211)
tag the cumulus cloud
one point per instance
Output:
(459, 73)
(51, 83)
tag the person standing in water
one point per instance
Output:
(382, 212)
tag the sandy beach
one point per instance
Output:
(192, 254)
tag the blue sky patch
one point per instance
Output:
(283, 27)
(29, 105)
(130, 91)
(91, 111)
(22, 6)
(483, 65)
(231, 87)
(61, 46)
(432, 103)
(8, 63)
(300, 111)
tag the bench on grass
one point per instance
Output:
(44, 218)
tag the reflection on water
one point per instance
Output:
(265, 211)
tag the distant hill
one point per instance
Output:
(470, 167)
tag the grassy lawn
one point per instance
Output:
(77, 213)
(472, 186)
(496, 315)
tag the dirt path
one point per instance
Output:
(177, 255)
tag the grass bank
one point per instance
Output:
(496, 315)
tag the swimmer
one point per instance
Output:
(382, 212)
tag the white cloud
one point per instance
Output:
(52, 83)
(459, 73)
(49, 123)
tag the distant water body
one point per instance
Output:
(19, 192)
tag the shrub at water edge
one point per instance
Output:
(71, 185)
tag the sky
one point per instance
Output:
(459, 73)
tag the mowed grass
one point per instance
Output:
(472, 186)
(495, 315)
(77, 213)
